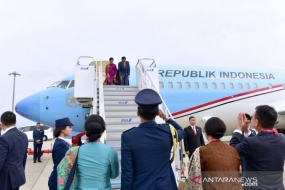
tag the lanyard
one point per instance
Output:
(270, 131)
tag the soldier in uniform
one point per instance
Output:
(146, 149)
(38, 136)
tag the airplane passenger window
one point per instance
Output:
(240, 85)
(63, 84)
(205, 85)
(214, 85)
(71, 85)
(179, 85)
(196, 84)
(161, 85)
(188, 85)
(270, 85)
(247, 85)
(255, 86)
(231, 85)
(170, 85)
(223, 85)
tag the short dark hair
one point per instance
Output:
(38, 123)
(148, 113)
(8, 118)
(111, 58)
(94, 125)
(247, 116)
(266, 115)
(191, 117)
(123, 57)
(215, 127)
(57, 131)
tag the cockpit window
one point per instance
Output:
(71, 85)
(54, 84)
(63, 84)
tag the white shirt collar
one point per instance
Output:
(5, 131)
(65, 140)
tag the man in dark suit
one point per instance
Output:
(38, 136)
(193, 137)
(146, 149)
(1, 131)
(247, 132)
(124, 71)
(263, 153)
(13, 154)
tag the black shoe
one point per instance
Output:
(39, 161)
(34, 161)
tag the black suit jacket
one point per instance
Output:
(242, 160)
(13, 155)
(38, 135)
(264, 156)
(124, 71)
(192, 141)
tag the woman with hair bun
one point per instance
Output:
(214, 161)
(97, 162)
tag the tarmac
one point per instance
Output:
(37, 174)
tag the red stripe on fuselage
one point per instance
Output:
(226, 98)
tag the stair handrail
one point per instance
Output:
(101, 97)
(84, 57)
(142, 69)
(166, 110)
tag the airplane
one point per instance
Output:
(203, 92)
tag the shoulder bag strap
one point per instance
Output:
(72, 172)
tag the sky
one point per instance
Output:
(42, 40)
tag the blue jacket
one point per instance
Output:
(264, 156)
(13, 156)
(146, 155)
(60, 147)
(38, 135)
(124, 71)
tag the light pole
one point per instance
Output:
(14, 73)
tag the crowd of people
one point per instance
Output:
(145, 153)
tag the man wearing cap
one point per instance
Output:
(60, 147)
(146, 149)
(124, 71)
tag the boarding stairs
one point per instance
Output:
(120, 115)
(115, 103)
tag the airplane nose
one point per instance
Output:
(29, 107)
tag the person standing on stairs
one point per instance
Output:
(124, 71)
(146, 149)
(111, 71)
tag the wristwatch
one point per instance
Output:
(165, 119)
